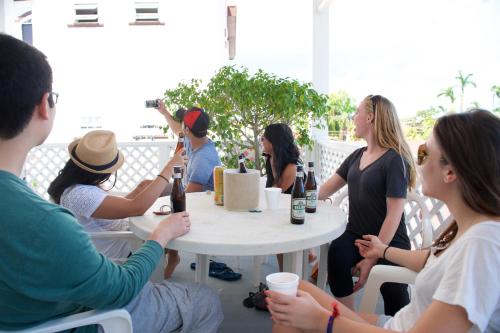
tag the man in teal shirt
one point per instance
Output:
(49, 267)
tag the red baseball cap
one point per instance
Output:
(196, 119)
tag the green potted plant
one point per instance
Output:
(241, 105)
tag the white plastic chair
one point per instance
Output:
(135, 242)
(421, 235)
(111, 321)
(417, 224)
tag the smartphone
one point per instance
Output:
(152, 103)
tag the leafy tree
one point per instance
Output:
(241, 105)
(420, 126)
(496, 94)
(475, 104)
(464, 80)
(448, 93)
(341, 107)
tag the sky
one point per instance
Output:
(405, 50)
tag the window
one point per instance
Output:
(146, 12)
(86, 14)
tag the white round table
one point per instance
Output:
(216, 231)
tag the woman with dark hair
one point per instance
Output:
(282, 156)
(79, 188)
(456, 289)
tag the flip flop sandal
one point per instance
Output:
(213, 266)
(226, 274)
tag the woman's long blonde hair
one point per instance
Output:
(388, 131)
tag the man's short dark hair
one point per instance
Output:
(25, 76)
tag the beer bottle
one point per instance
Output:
(298, 200)
(180, 143)
(178, 196)
(305, 179)
(241, 160)
(311, 188)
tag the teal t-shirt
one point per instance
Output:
(49, 267)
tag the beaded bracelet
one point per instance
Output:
(163, 178)
(335, 313)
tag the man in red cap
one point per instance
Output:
(201, 152)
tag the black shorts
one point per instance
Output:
(344, 255)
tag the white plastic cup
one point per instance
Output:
(283, 282)
(272, 197)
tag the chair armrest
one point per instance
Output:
(380, 274)
(134, 241)
(111, 321)
(113, 234)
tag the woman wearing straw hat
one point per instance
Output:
(79, 187)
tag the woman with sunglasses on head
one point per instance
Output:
(457, 287)
(378, 176)
(79, 187)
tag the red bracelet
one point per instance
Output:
(335, 313)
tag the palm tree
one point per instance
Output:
(449, 93)
(465, 80)
(496, 93)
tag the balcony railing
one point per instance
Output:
(144, 159)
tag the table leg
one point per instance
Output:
(292, 262)
(323, 265)
(201, 273)
(305, 262)
(257, 262)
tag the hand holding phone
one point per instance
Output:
(152, 103)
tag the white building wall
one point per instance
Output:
(106, 73)
(2, 16)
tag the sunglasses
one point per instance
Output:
(422, 155)
(53, 97)
(375, 99)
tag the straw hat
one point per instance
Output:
(96, 152)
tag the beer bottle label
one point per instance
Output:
(241, 160)
(177, 175)
(181, 140)
(299, 208)
(300, 174)
(311, 199)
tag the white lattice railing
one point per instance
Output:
(142, 160)
(329, 155)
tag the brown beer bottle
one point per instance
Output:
(311, 187)
(298, 200)
(178, 196)
(241, 160)
(180, 143)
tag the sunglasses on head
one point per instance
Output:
(422, 154)
(375, 99)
